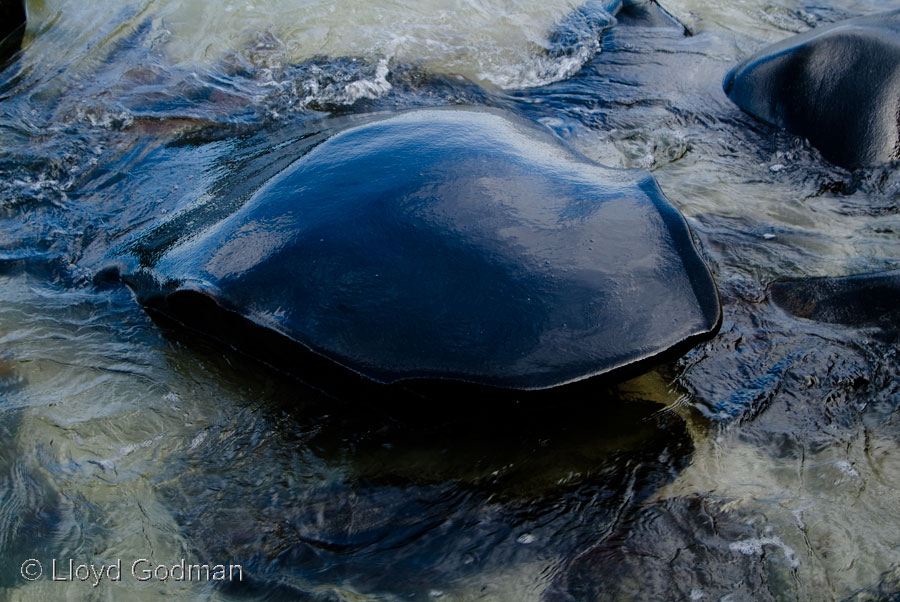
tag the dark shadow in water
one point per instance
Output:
(12, 27)
(388, 494)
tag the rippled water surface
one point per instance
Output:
(762, 465)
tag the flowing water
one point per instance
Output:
(762, 465)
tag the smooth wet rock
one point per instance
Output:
(837, 85)
(865, 300)
(452, 244)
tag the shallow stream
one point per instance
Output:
(763, 465)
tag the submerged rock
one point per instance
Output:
(439, 495)
(838, 85)
(865, 300)
(582, 29)
(690, 548)
(450, 244)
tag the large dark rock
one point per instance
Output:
(838, 85)
(451, 244)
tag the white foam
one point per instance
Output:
(754, 547)
(499, 42)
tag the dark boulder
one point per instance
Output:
(837, 85)
(450, 244)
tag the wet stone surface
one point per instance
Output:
(447, 244)
(807, 83)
